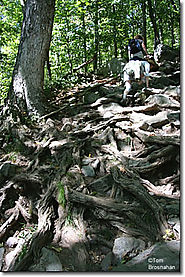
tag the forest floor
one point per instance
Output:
(92, 171)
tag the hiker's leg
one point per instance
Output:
(147, 81)
(127, 89)
(127, 82)
(146, 73)
(142, 81)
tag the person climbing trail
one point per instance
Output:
(137, 48)
(138, 68)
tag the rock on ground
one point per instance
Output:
(161, 257)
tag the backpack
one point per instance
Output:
(135, 46)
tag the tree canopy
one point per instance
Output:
(85, 29)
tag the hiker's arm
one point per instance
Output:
(144, 48)
(129, 53)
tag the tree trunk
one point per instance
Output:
(153, 19)
(171, 27)
(96, 39)
(144, 21)
(115, 33)
(26, 90)
(84, 40)
(68, 42)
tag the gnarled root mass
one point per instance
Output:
(91, 174)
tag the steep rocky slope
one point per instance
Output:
(95, 183)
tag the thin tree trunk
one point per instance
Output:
(171, 27)
(161, 33)
(68, 45)
(172, 31)
(115, 32)
(96, 39)
(84, 40)
(144, 21)
(153, 19)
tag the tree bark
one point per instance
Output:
(115, 32)
(84, 40)
(153, 19)
(135, 188)
(26, 90)
(68, 42)
(144, 21)
(96, 37)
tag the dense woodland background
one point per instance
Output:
(88, 183)
(84, 29)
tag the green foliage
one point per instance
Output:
(23, 253)
(26, 233)
(83, 27)
(75, 30)
(69, 220)
(62, 202)
(169, 235)
(61, 194)
(10, 28)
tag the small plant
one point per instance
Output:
(23, 253)
(93, 193)
(13, 157)
(68, 220)
(61, 195)
(125, 258)
(26, 234)
(70, 174)
(128, 140)
(169, 235)
(123, 261)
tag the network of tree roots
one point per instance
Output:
(98, 168)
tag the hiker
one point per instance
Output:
(137, 69)
(134, 71)
(136, 48)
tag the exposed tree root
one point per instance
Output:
(43, 235)
(10, 221)
(101, 168)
